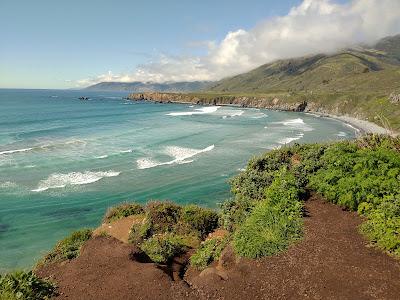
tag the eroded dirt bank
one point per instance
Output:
(333, 261)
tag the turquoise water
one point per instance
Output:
(64, 161)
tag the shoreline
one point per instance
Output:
(360, 126)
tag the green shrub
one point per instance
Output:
(162, 248)
(122, 210)
(209, 251)
(235, 211)
(162, 216)
(267, 231)
(25, 286)
(69, 247)
(167, 217)
(139, 232)
(274, 223)
(197, 219)
(383, 224)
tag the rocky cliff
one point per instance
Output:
(372, 114)
(206, 99)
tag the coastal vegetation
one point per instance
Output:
(265, 214)
(22, 285)
(67, 248)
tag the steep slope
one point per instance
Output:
(375, 69)
(150, 86)
(390, 46)
(346, 71)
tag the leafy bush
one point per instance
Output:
(383, 224)
(198, 219)
(69, 247)
(162, 216)
(162, 248)
(351, 176)
(209, 251)
(364, 175)
(274, 223)
(235, 211)
(122, 210)
(168, 229)
(25, 286)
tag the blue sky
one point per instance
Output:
(63, 44)
(45, 43)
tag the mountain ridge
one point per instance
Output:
(141, 87)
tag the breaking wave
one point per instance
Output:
(15, 151)
(198, 111)
(297, 124)
(59, 180)
(180, 155)
(232, 113)
(290, 139)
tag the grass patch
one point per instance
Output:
(69, 247)
(208, 252)
(162, 248)
(274, 222)
(22, 285)
(122, 210)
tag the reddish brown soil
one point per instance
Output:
(118, 229)
(333, 261)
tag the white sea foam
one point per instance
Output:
(341, 134)
(59, 180)
(15, 151)
(30, 166)
(101, 156)
(297, 124)
(348, 125)
(232, 113)
(126, 151)
(198, 111)
(7, 185)
(290, 139)
(180, 155)
(259, 116)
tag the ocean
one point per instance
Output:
(63, 161)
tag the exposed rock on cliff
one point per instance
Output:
(242, 101)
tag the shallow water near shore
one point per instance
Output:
(63, 161)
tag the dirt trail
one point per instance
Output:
(333, 261)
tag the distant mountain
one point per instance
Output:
(141, 87)
(364, 69)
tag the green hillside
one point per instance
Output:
(356, 82)
(361, 70)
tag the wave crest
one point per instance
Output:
(180, 155)
(59, 180)
(15, 151)
(297, 124)
(198, 111)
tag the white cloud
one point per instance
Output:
(314, 26)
